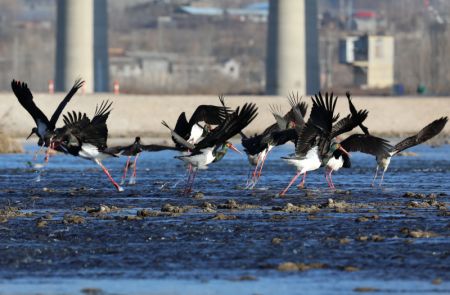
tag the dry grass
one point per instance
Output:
(7, 144)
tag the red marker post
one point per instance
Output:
(51, 87)
(116, 87)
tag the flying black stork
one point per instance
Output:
(427, 132)
(259, 146)
(383, 158)
(134, 150)
(44, 127)
(86, 138)
(191, 130)
(306, 157)
(215, 145)
(363, 143)
(315, 144)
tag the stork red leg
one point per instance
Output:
(331, 180)
(38, 152)
(290, 183)
(375, 177)
(302, 184)
(125, 171)
(193, 179)
(258, 161)
(382, 178)
(260, 169)
(118, 187)
(326, 177)
(262, 164)
(133, 176)
(190, 181)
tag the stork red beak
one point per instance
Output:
(30, 135)
(235, 149)
(344, 151)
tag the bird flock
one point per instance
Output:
(205, 137)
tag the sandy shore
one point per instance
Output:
(142, 114)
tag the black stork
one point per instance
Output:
(427, 132)
(44, 127)
(191, 130)
(134, 150)
(363, 143)
(316, 140)
(86, 138)
(383, 158)
(259, 146)
(214, 146)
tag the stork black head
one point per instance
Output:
(33, 131)
(63, 139)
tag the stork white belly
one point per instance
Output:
(384, 162)
(335, 164)
(309, 163)
(201, 160)
(90, 152)
(196, 134)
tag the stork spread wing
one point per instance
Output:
(354, 112)
(93, 131)
(232, 125)
(25, 98)
(429, 131)
(77, 85)
(367, 144)
(209, 114)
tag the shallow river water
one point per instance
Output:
(72, 233)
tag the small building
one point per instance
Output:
(372, 59)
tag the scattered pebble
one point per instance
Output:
(147, 213)
(247, 278)
(173, 209)
(436, 281)
(73, 219)
(41, 223)
(48, 190)
(339, 206)
(367, 218)
(233, 205)
(421, 234)
(292, 266)
(222, 216)
(414, 195)
(208, 207)
(362, 238)
(365, 289)
(100, 209)
(344, 241)
(288, 266)
(92, 291)
(350, 268)
(198, 195)
(362, 219)
(128, 218)
(377, 238)
(290, 208)
(277, 241)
